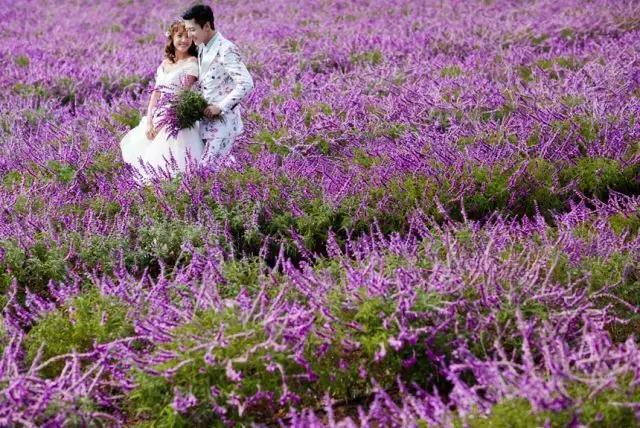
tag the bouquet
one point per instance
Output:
(181, 110)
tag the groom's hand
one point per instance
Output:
(211, 111)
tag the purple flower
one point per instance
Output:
(181, 403)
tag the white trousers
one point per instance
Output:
(217, 150)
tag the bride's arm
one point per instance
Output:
(151, 108)
(152, 105)
(151, 131)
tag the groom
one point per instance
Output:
(225, 82)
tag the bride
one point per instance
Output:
(152, 146)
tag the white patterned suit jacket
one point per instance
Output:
(225, 82)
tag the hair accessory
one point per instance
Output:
(175, 20)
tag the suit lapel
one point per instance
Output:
(207, 58)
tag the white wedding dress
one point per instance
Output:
(188, 144)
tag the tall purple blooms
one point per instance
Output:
(434, 218)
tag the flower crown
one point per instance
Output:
(175, 21)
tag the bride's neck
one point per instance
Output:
(181, 56)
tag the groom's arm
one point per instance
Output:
(234, 66)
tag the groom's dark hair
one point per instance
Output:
(201, 14)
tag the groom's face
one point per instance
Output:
(196, 32)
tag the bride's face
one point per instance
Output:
(182, 41)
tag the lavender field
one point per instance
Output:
(434, 220)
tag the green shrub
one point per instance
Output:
(84, 319)
(22, 61)
(451, 71)
(98, 252)
(525, 73)
(151, 400)
(272, 141)
(33, 267)
(115, 84)
(62, 171)
(629, 224)
(163, 240)
(104, 208)
(538, 189)
(79, 411)
(65, 90)
(290, 45)
(171, 198)
(127, 116)
(492, 192)
(104, 163)
(240, 274)
(362, 158)
(4, 337)
(143, 40)
(572, 101)
(13, 178)
(595, 176)
(36, 115)
(316, 221)
(345, 371)
(601, 411)
(371, 57)
(620, 271)
(27, 90)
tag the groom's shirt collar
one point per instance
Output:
(211, 42)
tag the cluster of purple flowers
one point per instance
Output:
(433, 220)
(180, 109)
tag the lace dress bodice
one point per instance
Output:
(171, 79)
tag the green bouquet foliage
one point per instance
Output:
(189, 107)
(182, 110)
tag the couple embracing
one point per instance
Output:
(195, 53)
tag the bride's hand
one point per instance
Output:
(151, 131)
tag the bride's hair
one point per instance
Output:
(170, 49)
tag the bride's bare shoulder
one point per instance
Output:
(163, 65)
(192, 59)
